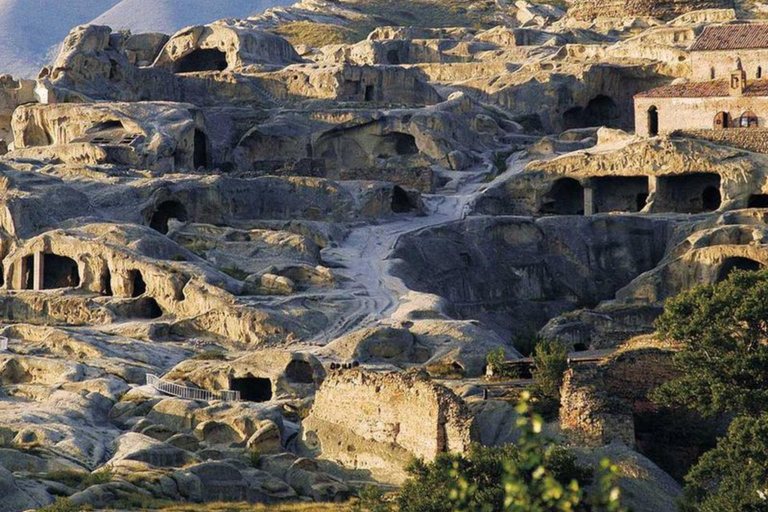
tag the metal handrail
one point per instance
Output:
(189, 393)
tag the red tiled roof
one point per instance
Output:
(732, 37)
(712, 89)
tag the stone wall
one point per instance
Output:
(751, 139)
(600, 402)
(380, 421)
(722, 63)
(589, 9)
(695, 113)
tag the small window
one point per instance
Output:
(759, 73)
(712, 73)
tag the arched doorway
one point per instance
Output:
(60, 272)
(722, 120)
(200, 156)
(653, 121)
(137, 284)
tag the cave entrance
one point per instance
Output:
(599, 111)
(405, 143)
(395, 144)
(620, 194)
(147, 308)
(300, 372)
(369, 93)
(758, 201)
(166, 211)
(566, 197)
(736, 263)
(688, 193)
(252, 389)
(199, 60)
(200, 155)
(136, 283)
(580, 347)
(105, 282)
(59, 272)
(653, 121)
(393, 57)
(401, 202)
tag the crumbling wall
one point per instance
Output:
(379, 421)
(601, 402)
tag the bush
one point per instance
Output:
(550, 360)
(210, 355)
(495, 360)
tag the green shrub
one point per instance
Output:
(62, 505)
(235, 272)
(495, 360)
(103, 476)
(210, 355)
(550, 360)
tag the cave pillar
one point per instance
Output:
(589, 198)
(38, 270)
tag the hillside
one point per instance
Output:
(32, 29)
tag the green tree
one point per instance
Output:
(733, 477)
(550, 360)
(723, 361)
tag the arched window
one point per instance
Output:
(759, 73)
(653, 121)
(712, 73)
(748, 120)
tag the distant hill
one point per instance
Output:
(32, 29)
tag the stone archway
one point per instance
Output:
(736, 263)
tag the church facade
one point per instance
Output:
(729, 89)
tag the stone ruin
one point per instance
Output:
(379, 422)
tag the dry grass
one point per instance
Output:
(317, 35)
(428, 13)
(245, 507)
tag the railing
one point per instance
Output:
(3, 344)
(188, 393)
